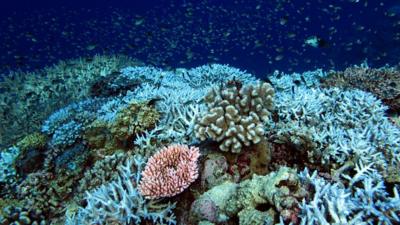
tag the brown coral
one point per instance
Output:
(119, 134)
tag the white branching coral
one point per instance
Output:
(236, 115)
(364, 200)
(119, 202)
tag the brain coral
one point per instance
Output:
(236, 115)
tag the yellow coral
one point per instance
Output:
(34, 140)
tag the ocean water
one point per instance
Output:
(200, 112)
(248, 34)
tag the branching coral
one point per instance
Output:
(26, 99)
(363, 199)
(334, 126)
(102, 172)
(236, 115)
(170, 171)
(7, 169)
(384, 83)
(119, 202)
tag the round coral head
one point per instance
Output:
(170, 171)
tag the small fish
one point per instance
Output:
(316, 42)
(153, 101)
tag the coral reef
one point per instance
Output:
(7, 169)
(170, 171)
(383, 83)
(103, 160)
(26, 99)
(215, 171)
(134, 119)
(362, 199)
(102, 172)
(112, 133)
(17, 215)
(119, 202)
(254, 201)
(335, 126)
(236, 115)
(35, 140)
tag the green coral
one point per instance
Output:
(34, 140)
(258, 200)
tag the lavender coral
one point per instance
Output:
(169, 171)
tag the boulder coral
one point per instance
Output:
(254, 201)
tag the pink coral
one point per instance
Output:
(170, 171)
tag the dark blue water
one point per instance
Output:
(257, 35)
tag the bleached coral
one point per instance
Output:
(181, 107)
(28, 98)
(285, 82)
(83, 112)
(364, 200)
(7, 158)
(335, 126)
(236, 115)
(66, 134)
(120, 202)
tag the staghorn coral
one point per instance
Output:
(362, 198)
(332, 126)
(102, 172)
(119, 202)
(180, 108)
(236, 115)
(383, 83)
(170, 171)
